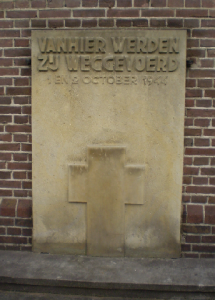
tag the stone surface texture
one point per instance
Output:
(86, 275)
(107, 117)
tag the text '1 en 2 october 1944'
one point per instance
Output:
(116, 54)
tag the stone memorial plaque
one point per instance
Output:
(108, 119)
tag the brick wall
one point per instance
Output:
(17, 18)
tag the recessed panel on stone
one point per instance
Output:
(107, 117)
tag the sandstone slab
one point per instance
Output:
(107, 117)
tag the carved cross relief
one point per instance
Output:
(106, 184)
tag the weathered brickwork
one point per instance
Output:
(18, 18)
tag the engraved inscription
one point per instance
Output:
(115, 54)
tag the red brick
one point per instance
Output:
(175, 22)
(19, 175)
(123, 13)
(88, 13)
(27, 232)
(55, 23)
(6, 62)
(19, 166)
(5, 175)
(176, 3)
(13, 240)
(207, 43)
(6, 4)
(21, 43)
(13, 231)
(72, 23)
(89, 23)
(23, 222)
(123, 23)
(26, 72)
(10, 184)
(210, 93)
(6, 42)
(22, 4)
(190, 82)
(211, 52)
(72, 3)
(17, 52)
(20, 157)
(187, 180)
(21, 119)
(10, 147)
(5, 156)
(191, 23)
(22, 81)
(26, 147)
(6, 24)
(38, 23)
(26, 33)
(191, 171)
(158, 3)
(208, 3)
(208, 171)
(24, 209)
(18, 91)
(187, 161)
(198, 161)
(200, 113)
(5, 119)
(193, 93)
(20, 138)
(204, 83)
(213, 161)
(157, 22)
(26, 110)
(123, 3)
(185, 247)
(22, 23)
(200, 189)
(55, 3)
(191, 13)
(192, 132)
(59, 13)
(106, 22)
(5, 137)
(199, 199)
(210, 214)
(21, 100)
(9, 71)
(158, 12)
(140, 22)
(141, 3)
(194, 214)
(204, 103)
(90, 3)
(192, 3)
(21, 14)
(204, 33)
(200, 180)
(18, 128)
(209, 132)
(195, 53)
(200, 248)
(20, 193)
(192, 239)
(7, 207)
(38, 3)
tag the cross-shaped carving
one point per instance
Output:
(106, 184)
